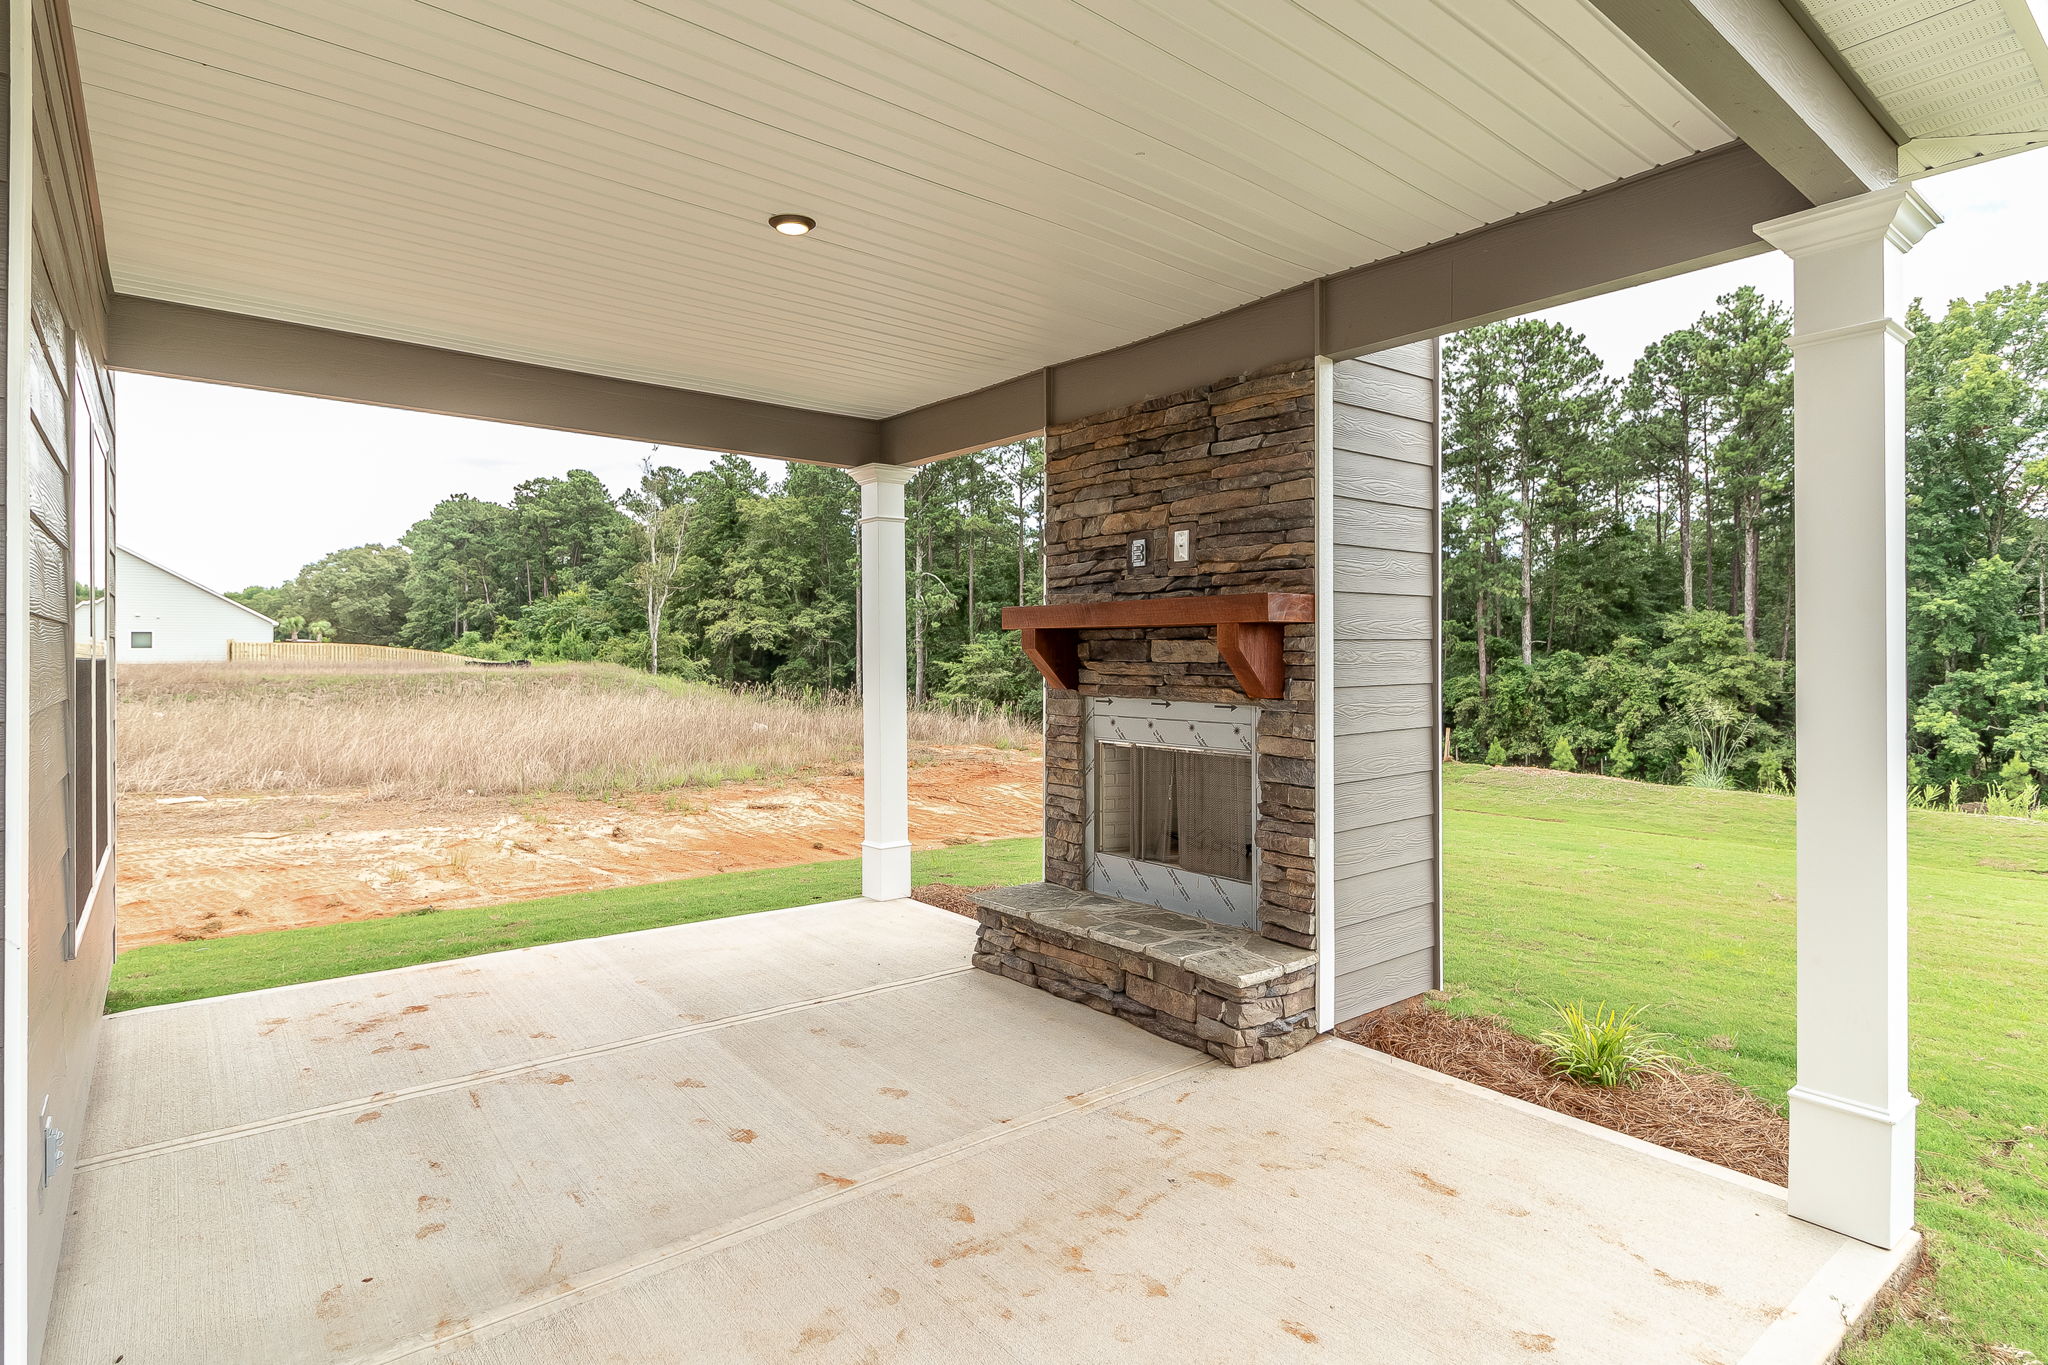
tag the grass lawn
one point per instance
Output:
(162, 973)
(1562, 887)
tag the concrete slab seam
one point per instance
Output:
(556, 1059)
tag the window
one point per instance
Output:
(92, 620)
(141, 639)
(1184, 808)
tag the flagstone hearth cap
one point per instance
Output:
(1238, 958)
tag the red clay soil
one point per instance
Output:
(194, 868)
(1700, 1113)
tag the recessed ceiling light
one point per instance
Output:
(792, 224)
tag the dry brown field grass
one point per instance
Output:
(392, 731)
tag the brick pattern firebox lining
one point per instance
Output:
(1234, 464)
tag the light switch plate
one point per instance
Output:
(1181, 548)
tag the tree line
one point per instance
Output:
(723, 575)
(1619, 580)
(1618, 576)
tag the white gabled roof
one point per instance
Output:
(192, 583)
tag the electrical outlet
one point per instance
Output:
(1138, 552)
(53, 1150)
(1182, 551)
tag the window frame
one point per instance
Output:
(90, 721)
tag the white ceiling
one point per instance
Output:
(999, 184)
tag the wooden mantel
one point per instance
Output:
(1249, 627)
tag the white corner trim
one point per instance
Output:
(1326, 695)
(1897, 215)
(16, 1103)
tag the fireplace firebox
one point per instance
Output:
(1172, 795)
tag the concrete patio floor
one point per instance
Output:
(815, 1134)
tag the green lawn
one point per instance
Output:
(163, 973)
(1681, 901)
(1556, 888)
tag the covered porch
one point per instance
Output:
(817, 1134)
(1207, 250)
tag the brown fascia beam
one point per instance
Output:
(1695, 213)
(1757, 68)
(150, 336)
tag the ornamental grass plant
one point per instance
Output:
(1600, 1046)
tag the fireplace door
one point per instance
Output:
(1184, 808)
(1172, 800)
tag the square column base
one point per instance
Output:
(885, 870)
(1852, 1167)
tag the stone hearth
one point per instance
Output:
(1229, 992)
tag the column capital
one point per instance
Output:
(882, 473)
(1897, 215)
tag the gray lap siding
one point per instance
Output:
(1384, 824)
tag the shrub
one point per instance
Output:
(1770, 772)
(1495, 754)
(2015, 793)
(1601, 1047)
(1562, 757)
(992, 672)
(1621, 758)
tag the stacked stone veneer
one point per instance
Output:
(1229, 992)
(1232, 463)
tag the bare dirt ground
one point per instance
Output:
(198, 868)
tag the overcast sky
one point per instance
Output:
(234, 487)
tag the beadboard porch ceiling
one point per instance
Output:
(817, 1134)
(998, 185)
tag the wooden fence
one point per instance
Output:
(308, 652)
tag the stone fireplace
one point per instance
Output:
(1180, 871)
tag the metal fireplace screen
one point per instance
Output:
(1183, 808)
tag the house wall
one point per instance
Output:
(59, 404)
(1385, 710)
(185, 623)
(1233, 463)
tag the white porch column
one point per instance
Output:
(885, 743)
(1852, 1117)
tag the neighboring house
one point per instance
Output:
(1205, 249)
(161, 616)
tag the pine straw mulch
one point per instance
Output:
(945, 895)
(1700, 1113)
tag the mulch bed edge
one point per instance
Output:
(1700, 1113)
